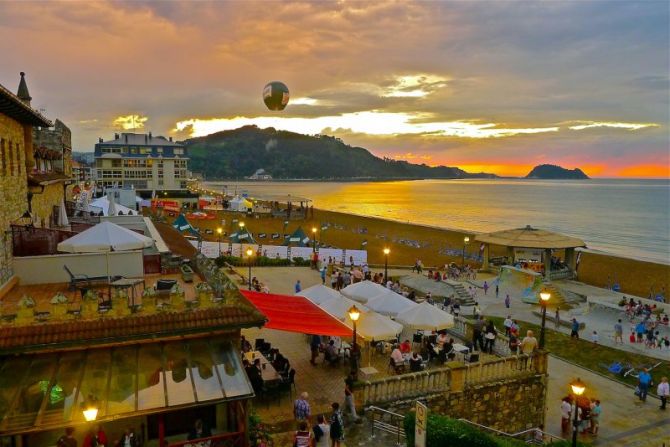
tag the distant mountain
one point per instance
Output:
(287, 155)
(556, 173)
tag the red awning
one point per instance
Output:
(296, 314)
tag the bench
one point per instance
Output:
(81, 281)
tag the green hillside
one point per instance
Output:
(286, 155)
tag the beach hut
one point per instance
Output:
(319, 293)
(339, 307)
(425, 316)
(390, 303)
(363, 291)
(298, 239)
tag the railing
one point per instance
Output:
(33, 241)
(463, 329)
(388, 422)
(530, 435)
(236, 439)
(406, 386)
(504, 368)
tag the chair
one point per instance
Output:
(289, 382)
(417, 338)
(259, 344)
(81, 280)
(472, 358)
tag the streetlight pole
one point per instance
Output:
(250, 252)
(578, 388)
(354, 314)
(219, 231)
(386, 263)
(313, 239)
(466, 239)
(544, 298)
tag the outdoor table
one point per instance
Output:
(268, 372)
(461, 349)
(368, 371)
(128, 283)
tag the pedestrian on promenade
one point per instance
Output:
(323, 275)
(497, 290)
(663, 392)
(574, 333)
(644, 382)
(640, 330)
(314, 345)
(631, 338)
(298, 286)
(349, 402)
(594, 337)
(566, 412)
(508, 324)
(596, 410)
(486, 287)
(321, 432)
(336, 426)
(557, 320)
(303, 437)
(301, 409)
(618, 332)
(508, 301)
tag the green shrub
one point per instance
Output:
(301, 262)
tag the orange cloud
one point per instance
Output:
(645, 171)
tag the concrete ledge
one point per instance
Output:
(8, 286)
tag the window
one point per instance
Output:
(10, 150)
(116, 163)
(160, 182)
(110, 150)
(178, 151)
(183, 184)
(159, 150)
(150, 163)
(145, 150)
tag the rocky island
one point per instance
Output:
(554, 172)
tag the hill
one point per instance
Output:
(288, 155)
(556, 173)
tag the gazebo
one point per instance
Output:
(531, 244)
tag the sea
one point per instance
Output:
(626, 217)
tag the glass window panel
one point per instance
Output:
(11, 373)
(94, 383)
(207, 384)
(34, 389)
(178, 375)
(60, 403)
(234, 379)
(151, 388)
(121, 397)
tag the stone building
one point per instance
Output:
(17, 120)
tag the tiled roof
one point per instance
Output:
(13, 107)
(53, 336)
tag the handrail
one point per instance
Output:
(512, 435)
(375, 408)
(394, 427)
(236, 437)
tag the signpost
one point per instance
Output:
(421, 424)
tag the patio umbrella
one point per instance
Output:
(62, 215)
(339, 307)
(363, 291)
(373, 326)
(425, 316)
(390, 303)
(319, 293)
(105, 237)
(111, 210)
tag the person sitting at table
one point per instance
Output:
(331, 355)
(447, 352)
(406, 347)
(441, 338)
(245, 346)
(255, 375)
(279, 363)
(415, 363)
(396, 355)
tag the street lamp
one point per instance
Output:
(578, 388)
(314, 239)
(544, 298)
(219, 231)
(386, 263)
(241, 224)
(354, 314)
(466, 240)
(90, 409)
(250, 253)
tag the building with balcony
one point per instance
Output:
(142, 161)
(81, 172)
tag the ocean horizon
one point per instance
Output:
(624, 217)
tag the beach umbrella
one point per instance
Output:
(62, 215)
(275, 95)
(373, 326)
(320, 293)
(339, 307)
(425, 316)
(363, 291)
(390, 303)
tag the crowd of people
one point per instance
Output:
(96, 437)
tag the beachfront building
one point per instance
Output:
(260, 174)
(81, 172)
(17, 120)
(536, 249)
(143, 162)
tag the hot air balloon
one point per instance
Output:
(275, 95)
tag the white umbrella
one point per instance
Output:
(105, 237)
(426, 316)
(363, 291)
(62, 215)
(103, 204)
(373, 326)
(339, 307)
(319, 293)
(111, 210)
(390, 303)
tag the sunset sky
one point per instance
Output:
(487, 86)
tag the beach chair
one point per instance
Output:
(78, 281)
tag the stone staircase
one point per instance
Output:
(557, 297)
(460, 293)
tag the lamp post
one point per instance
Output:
(250, 253)
(314, 239)
(466, 239)
(354, 314)
(544, 298)
(386, 263)
(578, 388)
(219, 232)
(90, 408)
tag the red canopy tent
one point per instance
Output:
(296, 314)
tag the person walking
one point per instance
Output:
(566, 412)
(349, 402)
(644, 382)
(486, 287)
(557, 319)
(497, 290)
(301, 408)
(618, 332)
(303, 437)
(508, 301)
(336, 426)
(314, 345)
(574, 333)
(321, 432)
(663, 392)
(596, 410)
(323, 275)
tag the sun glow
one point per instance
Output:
(130, 122)
(594, 124)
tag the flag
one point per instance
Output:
(481, 247)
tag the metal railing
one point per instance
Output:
(531, 435)
(236, 439)
(388, 422)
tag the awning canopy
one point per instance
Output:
(319, 293)
(46, 391)
(530, 237)
(363, 291)
(296, 314)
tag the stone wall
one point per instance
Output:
(42, 204)
(13, 187)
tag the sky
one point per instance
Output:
(488, 86)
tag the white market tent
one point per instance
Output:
(320, 293)
(105, 237)
(103, 204)
(373, 326)
(62, 215)
(363, 291)
(425, 316)
(339, 307)
(240, 204)
(390, 303)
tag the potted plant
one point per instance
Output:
(177, 297)
(59, 304)
(205, 294)
(89, 304)
(149, 299)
